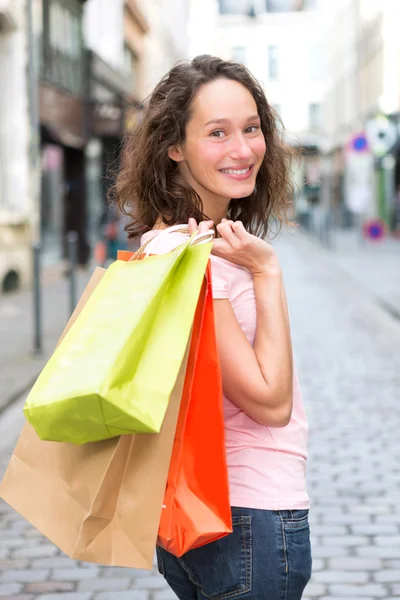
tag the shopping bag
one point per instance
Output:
(196, 507)
(100, 381)
(99, 502)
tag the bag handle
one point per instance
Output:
(197, 238)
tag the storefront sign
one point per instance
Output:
(63, 115)
(106, 119)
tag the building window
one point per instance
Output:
(283, 6)
(130, 65)
(278, 5)
(273, 66)
(239, 54)
(310, 5)
(63, 45)
(233, 7)
(315, 117)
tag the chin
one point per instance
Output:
(241, 191)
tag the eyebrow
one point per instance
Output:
(227, 121)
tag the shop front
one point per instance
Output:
(63, 141)
(108, 100)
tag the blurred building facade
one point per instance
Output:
(115, 37)
(281, 42)
(90, 57)
(15, 184)
(362, 102)
(75, 74)
(167, 42)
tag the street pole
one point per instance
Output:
(72, 242)
(37, 301)
(34, 162)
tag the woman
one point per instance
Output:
(208, 152)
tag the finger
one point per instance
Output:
(226, 232)
(240, 231)
(192, 226)
(205, 226)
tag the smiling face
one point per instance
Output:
(224, 146)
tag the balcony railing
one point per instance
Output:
(64, 71)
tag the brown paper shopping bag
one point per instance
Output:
(100, 502)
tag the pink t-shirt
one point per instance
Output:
(266, 465)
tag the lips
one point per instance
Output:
(236, 171)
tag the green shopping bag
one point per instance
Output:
(115, 369)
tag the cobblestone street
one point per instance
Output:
(347, 354)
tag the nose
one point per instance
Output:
(240, 148)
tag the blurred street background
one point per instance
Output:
(73, 77)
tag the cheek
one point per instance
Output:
(209, 154)
(259, 147)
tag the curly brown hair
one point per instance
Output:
(150, 187)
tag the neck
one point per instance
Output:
(215, 208)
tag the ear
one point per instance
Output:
(175, 153)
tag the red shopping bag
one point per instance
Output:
(196, 507)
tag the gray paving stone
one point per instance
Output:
(355, 591)
(32, 533)
(387, 576)
(373, 529)
(351, 563)
(392, 564)
(43, 551)
(378, 552)
(18, 597)
(47, 587)
(348, 598)
(330, 529)
(104, 585)
(330, 551)
(24, 576)
(166, 594)
(315, 590)
(10, 589)
(14, 563)
(318, 564)
(344, 540)
(64, 596)
(131, 595)
(388, 540)
(74, 574)
(112, 572)
(149, 583)
(16, 542)
(341, 577)
(56, 562)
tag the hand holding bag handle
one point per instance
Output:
(197, 238)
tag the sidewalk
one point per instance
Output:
(374, 266)
(18, 365)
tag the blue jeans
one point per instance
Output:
(267, 557)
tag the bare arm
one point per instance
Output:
(258, 380)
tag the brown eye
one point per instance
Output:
(252, 129)
(217, 132)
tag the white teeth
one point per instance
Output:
(235, 171)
